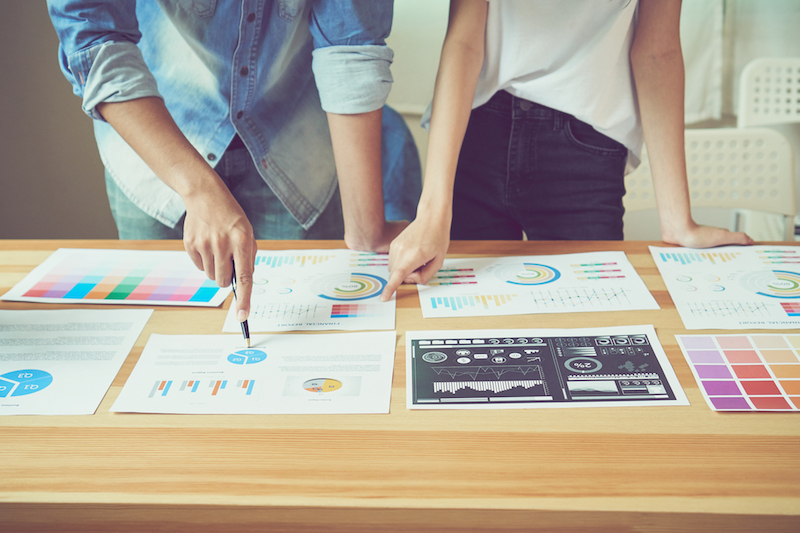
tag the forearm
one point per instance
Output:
(657, 64)
(357, 151)
(456, 80)
(659, 82)
(146, 125)
(216, 231)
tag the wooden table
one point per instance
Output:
(623, 469)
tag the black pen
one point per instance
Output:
(245, 326)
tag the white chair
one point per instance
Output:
(731, 168)
(769, 92)
(769, 95)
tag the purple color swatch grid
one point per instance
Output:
(759, 372)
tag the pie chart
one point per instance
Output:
(322, 385)
(23, 382)
(247, 357)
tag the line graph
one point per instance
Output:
(498, 372)
(292, 312)
(581, 297)
(720, 308)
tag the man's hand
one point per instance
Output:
(218, 237)
(216, 232)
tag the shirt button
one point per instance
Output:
(251, 17)
(245, 71)
(240, 114)
(211, 157)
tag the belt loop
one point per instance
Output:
(512, 100)
(558, 120)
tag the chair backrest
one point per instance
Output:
(736, 168)
(769, 92)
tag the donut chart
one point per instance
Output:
(322, 385)
(774, 283)
(530, 274)
(247, 357)
(350, 287)
(23, 382)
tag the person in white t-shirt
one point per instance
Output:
(537, 108)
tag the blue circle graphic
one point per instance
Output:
(247, 357)
(23, 382)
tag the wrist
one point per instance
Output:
(673, 230)
(195, 184)
(436, 210)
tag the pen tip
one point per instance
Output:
(248, 342)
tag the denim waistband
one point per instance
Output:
(507, 104)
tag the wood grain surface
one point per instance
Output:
(642, 469)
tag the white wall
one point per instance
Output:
(417, 34)
(51, 179)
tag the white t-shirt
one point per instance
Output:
(569, 55)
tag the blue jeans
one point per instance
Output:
(402, 171)
(526, 167)
(269, 218)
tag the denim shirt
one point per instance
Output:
(224, 67)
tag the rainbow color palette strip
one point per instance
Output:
(745, 372)
(72, 275)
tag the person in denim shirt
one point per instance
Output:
(214, 118)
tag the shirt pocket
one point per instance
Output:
(289, 9)
(201, 8)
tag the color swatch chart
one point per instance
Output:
(594, 281)
(318, 290)
(733, 287)
(759, 372)
(118, 277)
(504, 369)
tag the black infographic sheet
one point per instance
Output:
(533, 368)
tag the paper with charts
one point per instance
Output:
(144, 277)
(733, 287)
(317, 290)
(533, 368)
(62, 362)
(278, 374)
(747, 372)
(594, 281)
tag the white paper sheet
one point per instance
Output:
(594, 281)
(62, 362)
(733, 287)
(129, 277)
(298, 290)
(539, 368)
(279, 374)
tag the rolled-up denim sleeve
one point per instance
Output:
(98, 53)
(350, 59)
